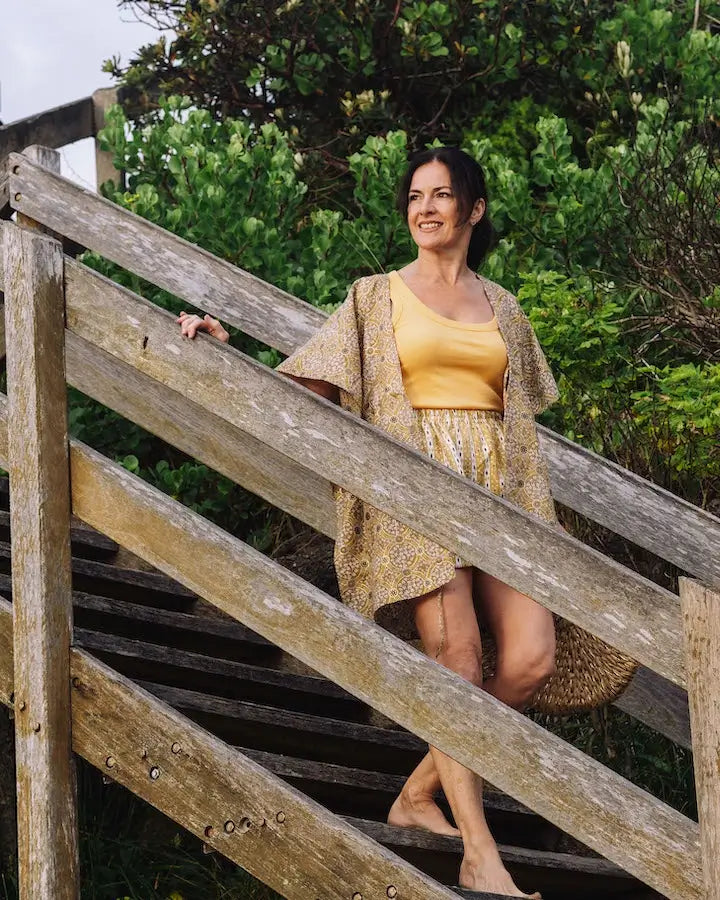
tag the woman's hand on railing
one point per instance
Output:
(191, 324)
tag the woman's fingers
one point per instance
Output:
(191, 324)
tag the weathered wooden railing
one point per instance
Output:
(57, 127)
(284, 443)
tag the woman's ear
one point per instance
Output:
(478, 211)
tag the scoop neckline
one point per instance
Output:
(490, 325)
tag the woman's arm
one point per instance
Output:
(191, 324)
(323, 388)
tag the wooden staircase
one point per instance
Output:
(278, 728)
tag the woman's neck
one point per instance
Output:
(440, 268)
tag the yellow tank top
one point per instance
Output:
(446, 364)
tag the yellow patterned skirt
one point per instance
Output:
(471, 442)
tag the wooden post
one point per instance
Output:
(105, 170)
(701, 621)
(42, 591)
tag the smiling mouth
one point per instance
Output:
(429, 226)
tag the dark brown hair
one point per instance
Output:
(467, 180)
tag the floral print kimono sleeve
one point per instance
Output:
(333, 354)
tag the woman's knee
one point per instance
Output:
(528, 672)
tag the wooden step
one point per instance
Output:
(105, 580)
(369, 795)
(221, 677)
(296, 734)
(558, 876)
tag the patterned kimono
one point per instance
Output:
(379, 561)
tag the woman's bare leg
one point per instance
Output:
(525, 638)
(455, 641)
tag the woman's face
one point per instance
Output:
(432, 209)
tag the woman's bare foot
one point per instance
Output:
(491, 876)
(420, 812)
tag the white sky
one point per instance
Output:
(52, 51)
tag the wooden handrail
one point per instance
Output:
(216, 792)
(599, 807)
(633, 507)
(619, 820)
(52, 128)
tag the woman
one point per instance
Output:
(446, 361)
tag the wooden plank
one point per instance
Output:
(54, 127)
(546, 563)
(643, 512)
(652, 518)
(659, 704)
(701, 618)
(134, 585)
(40, 523)
(562, 784)
(185, 269)
(84, 541)
(425, 840)
(203, 785)
(200, 671)
(395, 744)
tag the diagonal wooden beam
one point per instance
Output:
(233, 804)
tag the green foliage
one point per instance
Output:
(335, 72)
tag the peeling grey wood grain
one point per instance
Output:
(560, 572)
(624, 502)
(701, 618)
(40, 524)
(259, 308)
(229, 801)
(52, 128)
(562, 784)
(643, 512)
(659, 704)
